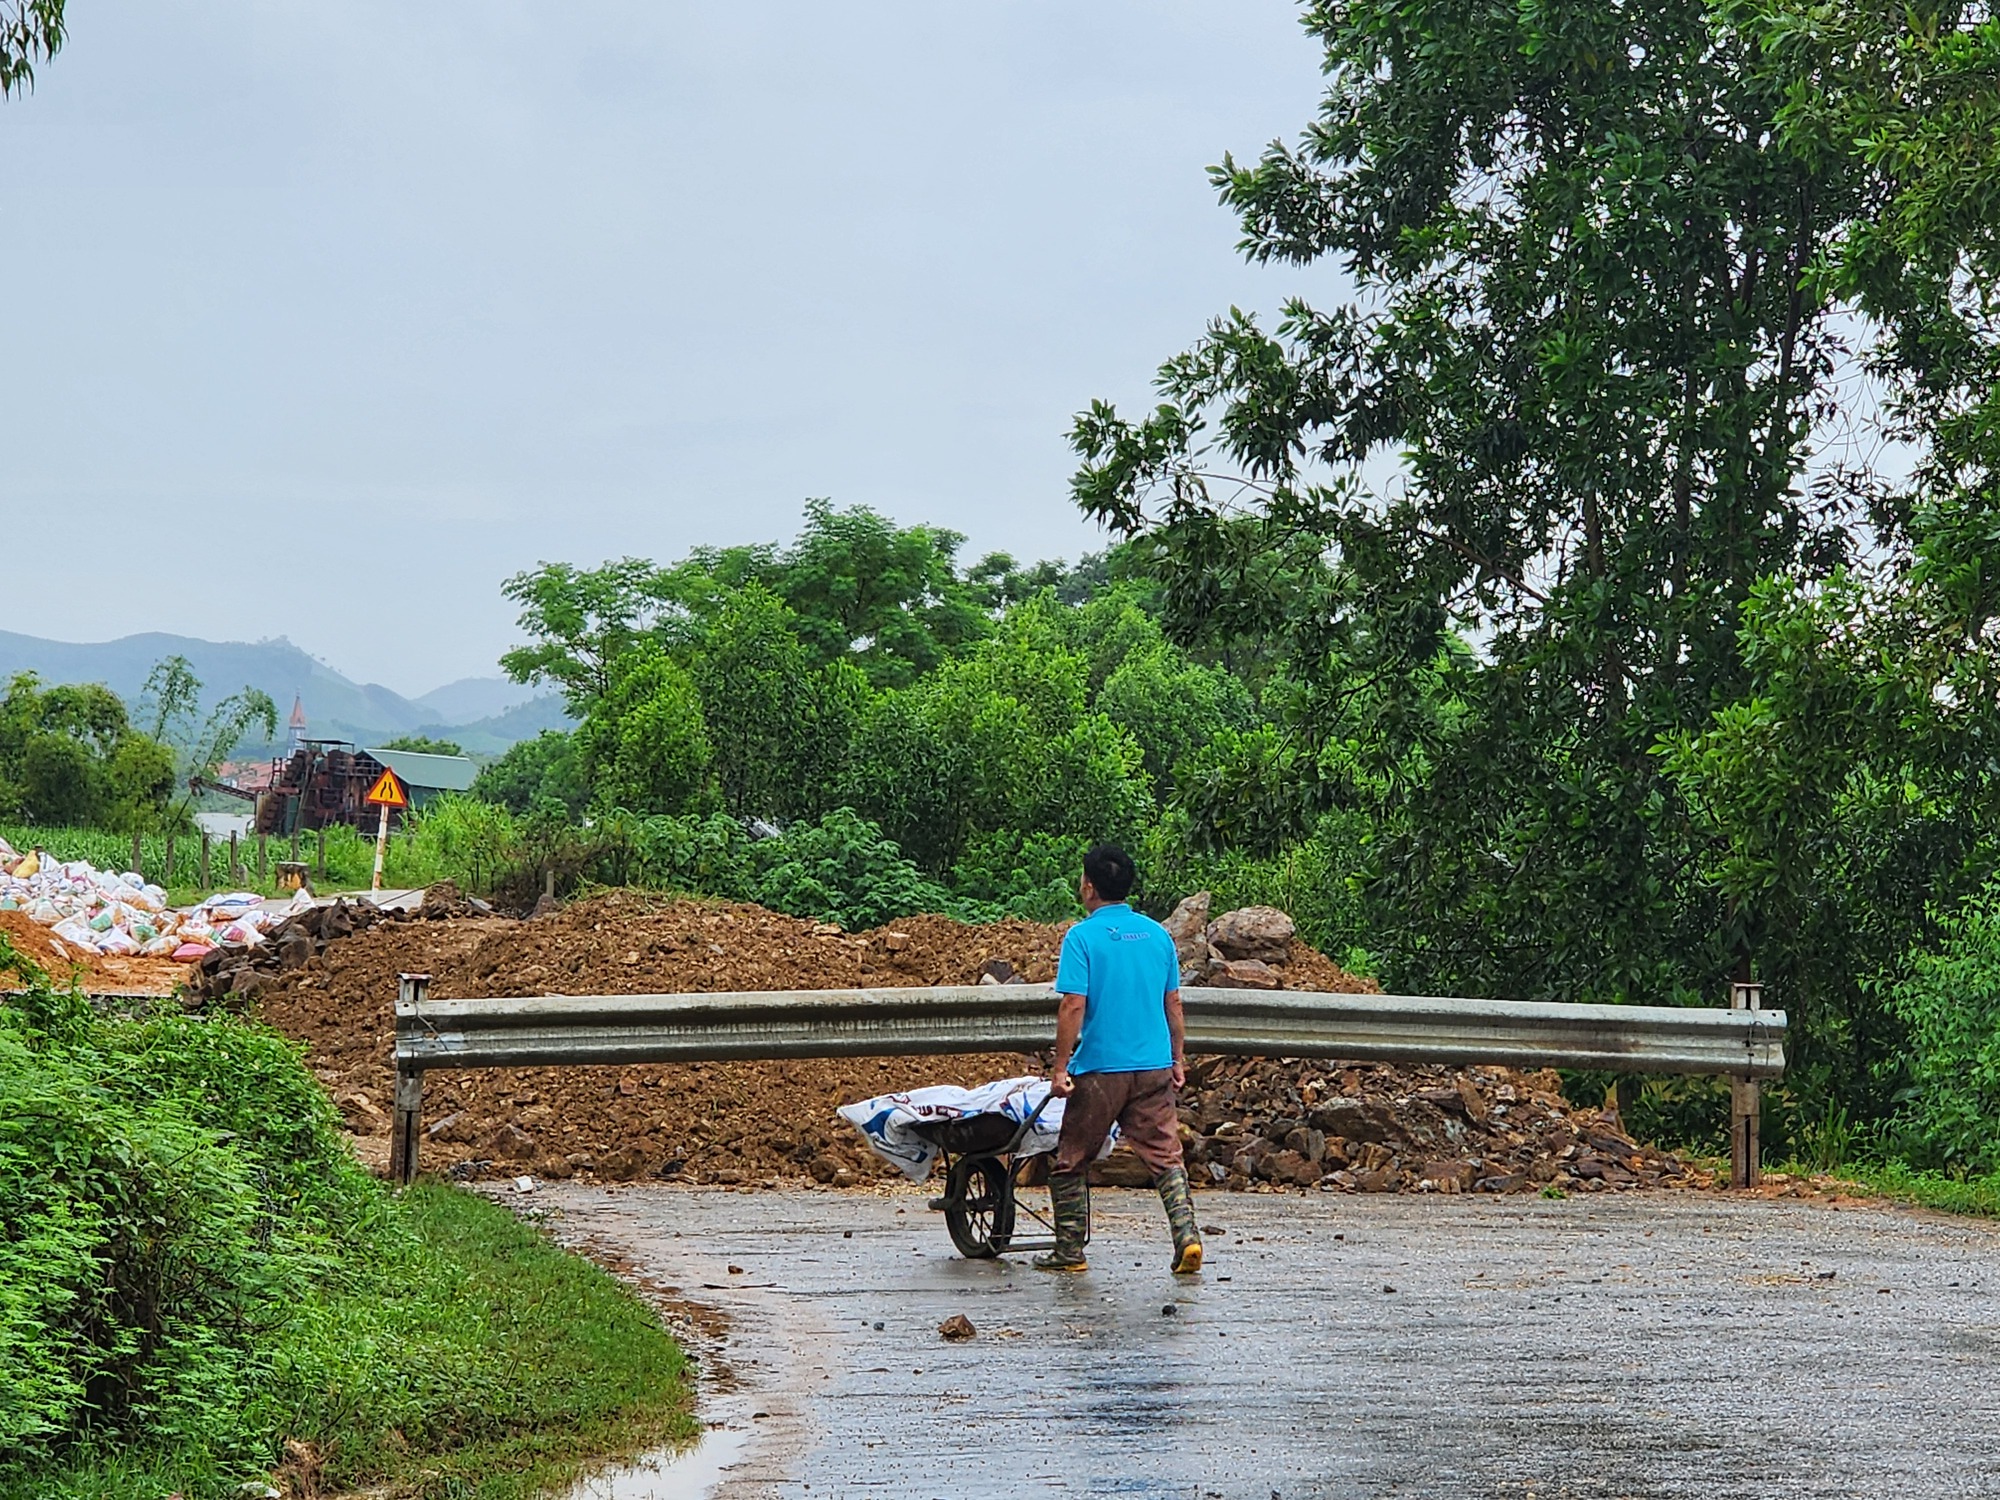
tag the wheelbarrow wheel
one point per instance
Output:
(979, 1206)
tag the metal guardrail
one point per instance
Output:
(555, 1030)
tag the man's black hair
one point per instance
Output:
(1109, 869)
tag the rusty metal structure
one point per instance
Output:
(320, 783)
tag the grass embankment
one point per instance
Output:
(1938, 1190)
(199, 1288)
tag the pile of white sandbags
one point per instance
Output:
(102, 912)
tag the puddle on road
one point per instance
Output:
(669, 1473)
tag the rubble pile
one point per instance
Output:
(239, 975)
(1251, 1124)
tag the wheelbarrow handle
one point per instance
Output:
(1021, 1131)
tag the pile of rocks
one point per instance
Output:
(241, 975)
(1244, 949)
(1251, 1123)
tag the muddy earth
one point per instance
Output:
(1249, 1124)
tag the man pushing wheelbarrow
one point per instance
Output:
(1120, 1058)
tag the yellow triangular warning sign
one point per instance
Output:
(388, 791)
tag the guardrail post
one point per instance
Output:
(1746, 1168)
(408, 1106)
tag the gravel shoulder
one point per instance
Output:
(1339, 1345)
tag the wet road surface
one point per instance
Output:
(1631, 1345)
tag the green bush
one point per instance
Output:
(463, 839)
(1950, 1001)
(710, 855)
(169, 1189)
(644, 745)
(841, 869)
(1031, 875)
(193, 1270)
(545, 768)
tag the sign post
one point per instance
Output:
(386, 793)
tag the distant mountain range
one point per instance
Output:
(483, 714)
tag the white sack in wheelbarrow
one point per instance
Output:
(885, 1121)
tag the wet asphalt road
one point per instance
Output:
(1630, 1345)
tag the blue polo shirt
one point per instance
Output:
(1122, 964)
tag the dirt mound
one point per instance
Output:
(628, 943)
(741, 1122)
(709, 1122)
(93, 971)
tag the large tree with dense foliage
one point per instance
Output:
(1619, 273)
(779, 719)
(885, 598)
(644, 747)
(69, 754)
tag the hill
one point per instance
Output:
(474, 698)
(484, 714)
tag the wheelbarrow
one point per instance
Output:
(982, 1174)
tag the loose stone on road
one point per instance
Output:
(1682, 1344)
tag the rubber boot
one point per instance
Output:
(1070, 1194)
(1173, 1189)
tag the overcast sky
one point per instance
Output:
(323, 319)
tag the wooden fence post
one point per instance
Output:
(235, 864)
(407, 1121)
(263, 859)
(203, 867)
(1746, 1168)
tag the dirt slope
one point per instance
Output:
(94, 971)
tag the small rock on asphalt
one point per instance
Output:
(956, 1328)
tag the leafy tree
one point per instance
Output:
(69, 755)
(779, 721)
(1610, 263)
(998, 739)
(581, 621)
(200, 742)
(31, 31)
(999, 583)
(1950, 1000)
(1172, 707)
(1032, 875)
(138, 784)
(907, 775)
(861, 589)
(418, 744)
(545, 769)
(887, 597)
(644, 746)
